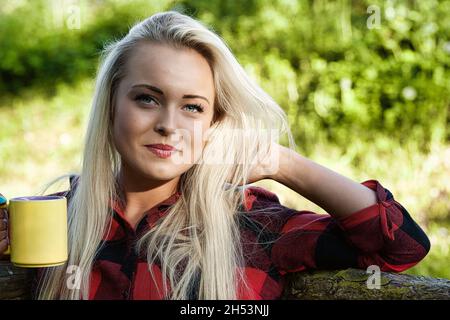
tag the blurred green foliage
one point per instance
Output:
(368, 78)
(45, 42)
(338, 79)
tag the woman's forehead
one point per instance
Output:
(164, 65)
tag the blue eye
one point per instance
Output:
(147, 99)
(144, 98)
(196, 107)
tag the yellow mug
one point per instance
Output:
(38, 231)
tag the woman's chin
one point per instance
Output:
(162, 172)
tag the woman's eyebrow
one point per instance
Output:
(158, 90)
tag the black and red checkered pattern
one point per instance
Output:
(275, 241)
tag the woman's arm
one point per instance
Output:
(365, 225)
(333, 192)
(383, 234)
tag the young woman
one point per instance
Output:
(163, 209)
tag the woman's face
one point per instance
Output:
(166, 97)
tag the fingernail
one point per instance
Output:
(2, 200)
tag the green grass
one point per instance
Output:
(41, 139)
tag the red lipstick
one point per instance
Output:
(161, 150)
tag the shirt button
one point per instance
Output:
(125, 294)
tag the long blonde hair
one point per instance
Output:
(200, 232)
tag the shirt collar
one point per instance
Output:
(158, 209)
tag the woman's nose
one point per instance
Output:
(166, 122)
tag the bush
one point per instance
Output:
(38, 51)
(337, 79)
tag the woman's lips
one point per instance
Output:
(161, 153)
(161, 146)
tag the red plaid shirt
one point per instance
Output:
(383, 234)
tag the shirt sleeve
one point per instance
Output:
(383, 234)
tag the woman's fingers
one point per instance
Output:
(3, 246)
(3, 224)
(2, 213)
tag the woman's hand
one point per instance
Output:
(266, 166)
(335, 193)
(3, 228)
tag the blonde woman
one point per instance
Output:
(163, 209)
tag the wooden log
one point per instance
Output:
(15, 282)
(350, 284)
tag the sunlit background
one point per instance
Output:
(366, 86)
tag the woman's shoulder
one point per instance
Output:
(256, 197)
(73, 181)
(262, 207)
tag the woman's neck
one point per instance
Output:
(139, 195)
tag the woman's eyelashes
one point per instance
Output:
(195, 106)
(147, 99)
